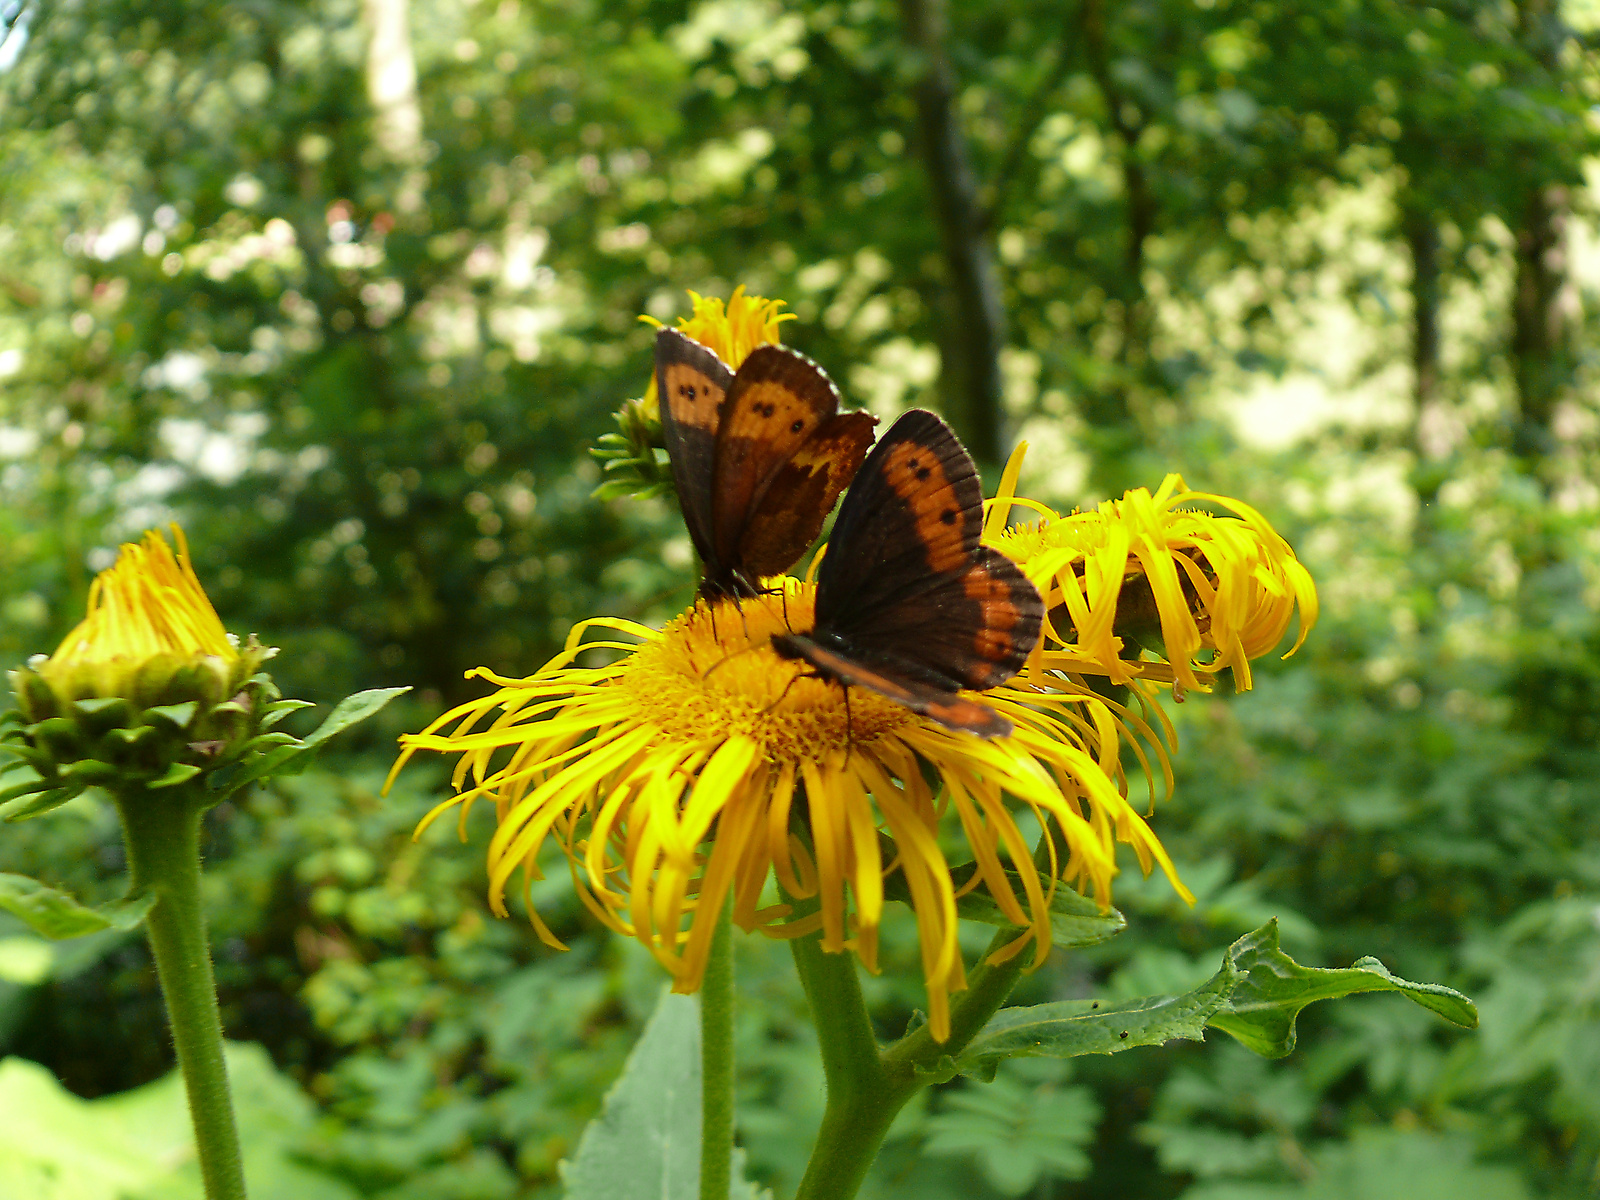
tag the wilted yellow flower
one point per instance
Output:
(1212, 591)
(700, 765)
(731, 331)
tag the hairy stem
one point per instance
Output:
(716, 1063)
(863, 1099)
(867, 1087)
(161, 831)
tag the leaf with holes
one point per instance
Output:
(1255, 997)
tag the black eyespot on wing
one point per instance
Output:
(783, 455)
(691, 386)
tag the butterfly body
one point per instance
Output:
(910, 603)
(759, 456)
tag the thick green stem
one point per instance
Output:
(863, 1099)
(987, 989)
(161, 831)
(866, 1088)
(716, 1063)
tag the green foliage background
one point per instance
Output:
(1338, 259)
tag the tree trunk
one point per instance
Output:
(1540, 356)
(1431, 438)
(1110, 410)
(1538, 339)
(1429, 441)
(974, 329)
(392, 90)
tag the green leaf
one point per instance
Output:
(1016, 1133)
(1069, 1028)
(57, 915)
(40, 803)
(1074, 920)
(175, 774)
(26, 787)
(1273, 988)
(280, 709)
(1255, 997)
(104, 713)
(267, 741)
(26, 960)
(294, 755)
(351, 711)
(645, 1144)
(139, 1145)
(178, 715)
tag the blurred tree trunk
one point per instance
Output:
(1538, 338)
(1134, 346)
(1430, 441)
(1539, 352)
(1110, 409)
(974, 326)
(392, 90)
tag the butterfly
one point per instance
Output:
(759, 456)
(910, 603)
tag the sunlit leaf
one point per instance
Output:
(57, 915)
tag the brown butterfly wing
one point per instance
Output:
(949, 708)
(692, 386)
(779, 403)
(907, 586)
(789, 513)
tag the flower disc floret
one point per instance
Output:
(699, 766)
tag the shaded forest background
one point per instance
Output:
(350, 288)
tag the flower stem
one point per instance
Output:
(988, 987)
(716, 1063)
(868, 1088)
(863, 1099)
(161, 832)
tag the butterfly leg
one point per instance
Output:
(727, 658)
(793, 679)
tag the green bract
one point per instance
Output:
(634, 460)
(180, 721)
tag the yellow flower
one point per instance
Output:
(149, 690)
(731, 331)
(1216, 591)
(699, 766)
(150, 629)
